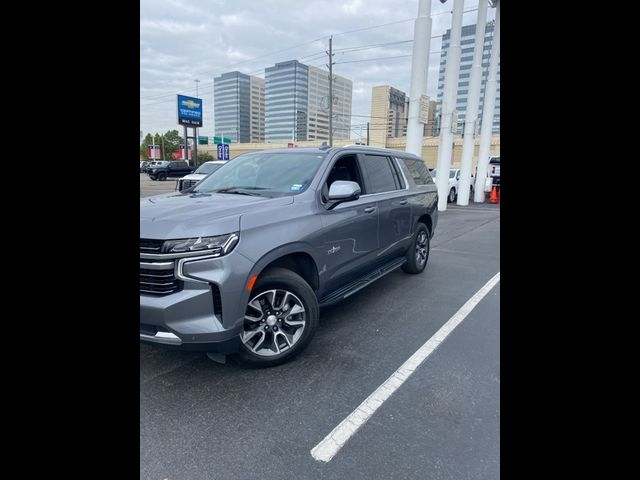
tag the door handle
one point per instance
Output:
(370, 209)
(403, 202)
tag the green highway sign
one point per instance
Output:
(219, 140)
(203, 140)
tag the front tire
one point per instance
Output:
(280, 319)
(418, 253)
(452, 195)
(162, 177)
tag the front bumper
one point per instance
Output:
(196, 317)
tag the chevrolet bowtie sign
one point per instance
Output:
(189, 111)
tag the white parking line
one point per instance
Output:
(332, 443)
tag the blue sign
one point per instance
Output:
(189, 111)
(223, 151)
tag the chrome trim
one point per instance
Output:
(180, 264)
(162, 337)
(157, 266)
(228, 245)
(166, 256)
(399, 167)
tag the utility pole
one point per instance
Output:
(419, 64)
(331, 62)
(449, 105)
(488, 111)
(367, 133)
(164, 157)
(471, 116)
(195, 134)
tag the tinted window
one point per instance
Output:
(378, 173)
(419, 171)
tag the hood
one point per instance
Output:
(174, 215)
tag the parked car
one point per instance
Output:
(494, 169)
(242, 262)
(203, 170)
(454, 179)
(169, 169)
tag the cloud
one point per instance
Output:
(184, 40)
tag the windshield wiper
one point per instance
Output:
(240, 190)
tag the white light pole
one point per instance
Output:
(471, 117)
(419, 63)
(488, 111)
(449, 105)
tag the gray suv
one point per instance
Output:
(242, 262)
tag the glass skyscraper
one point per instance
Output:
(239, 107)
(466, 62)
(286, 100)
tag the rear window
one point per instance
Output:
(379, 175)
(419, 171)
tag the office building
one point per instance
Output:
(389, 112)
(239, 107)
(297, 103)
(466, 62)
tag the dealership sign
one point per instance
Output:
(189, 111)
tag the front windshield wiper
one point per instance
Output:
(240, 190)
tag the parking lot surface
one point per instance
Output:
(204, 420)
(150, 187)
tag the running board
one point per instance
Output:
(351, 288)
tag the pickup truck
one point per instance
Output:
(454, 178)
(169, 169)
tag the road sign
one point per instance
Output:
(203, 140)
(223, 151)
(424, 109)
(219, 140)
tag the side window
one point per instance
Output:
(380, 176)
(419, 171)
(345, 168)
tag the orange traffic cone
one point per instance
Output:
(493, 198)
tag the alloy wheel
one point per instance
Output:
(273, 322)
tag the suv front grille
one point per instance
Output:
(159, 282)
(185, 184)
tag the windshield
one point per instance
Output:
(264, 173)
(452, 173)
(207, 168)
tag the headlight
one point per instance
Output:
(221, 244)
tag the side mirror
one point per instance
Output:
(342, 191)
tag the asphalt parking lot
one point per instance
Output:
(150, 187)
(204, 420)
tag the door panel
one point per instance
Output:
(394, 217)
(350, 233)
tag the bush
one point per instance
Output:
(204, 157)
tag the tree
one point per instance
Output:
(144, 148)
(172, 141)
(204, 157)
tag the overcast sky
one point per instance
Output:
(185, 40)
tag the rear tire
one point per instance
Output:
(452, 195)
(268, 339)
(418, 253)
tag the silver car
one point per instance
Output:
(242, 262)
